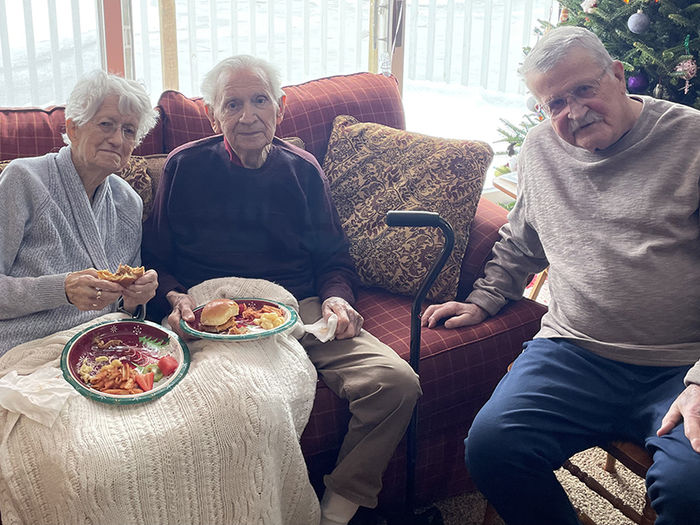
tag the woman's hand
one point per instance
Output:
(349, 321)
(87, 292)
(140, 291)
(457, 314)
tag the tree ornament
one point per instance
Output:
(638, 22)
(638, 83)
(564, 15)
(589, 6)
(660, 91)
(531, 103)
(689, 68)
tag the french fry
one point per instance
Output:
(123, 391)
(115, 378)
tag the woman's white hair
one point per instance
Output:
(211, 82)
(89, 94)
(557, 43)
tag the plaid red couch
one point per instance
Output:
(458, 368)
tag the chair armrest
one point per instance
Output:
(483, 235)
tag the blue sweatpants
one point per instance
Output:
(559, 399)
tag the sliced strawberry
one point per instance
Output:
(145, 381)
(168, 364)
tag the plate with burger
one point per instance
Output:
(125, 362)
(239, 319)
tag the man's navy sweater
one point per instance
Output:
(214, 218)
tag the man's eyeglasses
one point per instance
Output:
(108, 127)
(586, 91)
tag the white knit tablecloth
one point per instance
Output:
(222, 447)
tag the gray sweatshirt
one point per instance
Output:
(620, 231)
(49, 228)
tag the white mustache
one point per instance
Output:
(589, 118)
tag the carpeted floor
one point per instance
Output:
(469, 508)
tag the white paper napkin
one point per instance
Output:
(39, 396)
(324, 331)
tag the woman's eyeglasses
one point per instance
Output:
(108, 127)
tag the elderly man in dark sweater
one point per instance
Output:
(247, 204)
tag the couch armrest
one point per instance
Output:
(483, 235)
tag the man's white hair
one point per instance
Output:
(211, 83)
(89, 94)
(557, 43)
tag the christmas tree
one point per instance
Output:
(514, 135)
(657, 41)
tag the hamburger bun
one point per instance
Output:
(125, 275)
(218, 315)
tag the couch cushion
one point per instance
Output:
(312, 106)
(184, 119)
(30, 132)
(373, 169)
(152, 144)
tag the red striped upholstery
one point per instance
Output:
(31, 132)
(152, 144)
(184, 119)
(312, 106)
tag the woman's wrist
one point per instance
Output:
(137, 311)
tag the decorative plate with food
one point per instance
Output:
(124, 362)
(240, 319)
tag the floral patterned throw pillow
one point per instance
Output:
(143, 174)
(373, 169)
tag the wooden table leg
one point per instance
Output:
(539, 281)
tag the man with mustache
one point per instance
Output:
(609, 188)
(245, 203)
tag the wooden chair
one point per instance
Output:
(539, 281)
(637, 460)
(632, 456)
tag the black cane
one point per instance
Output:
(420, 219)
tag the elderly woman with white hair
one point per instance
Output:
(65, 215)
